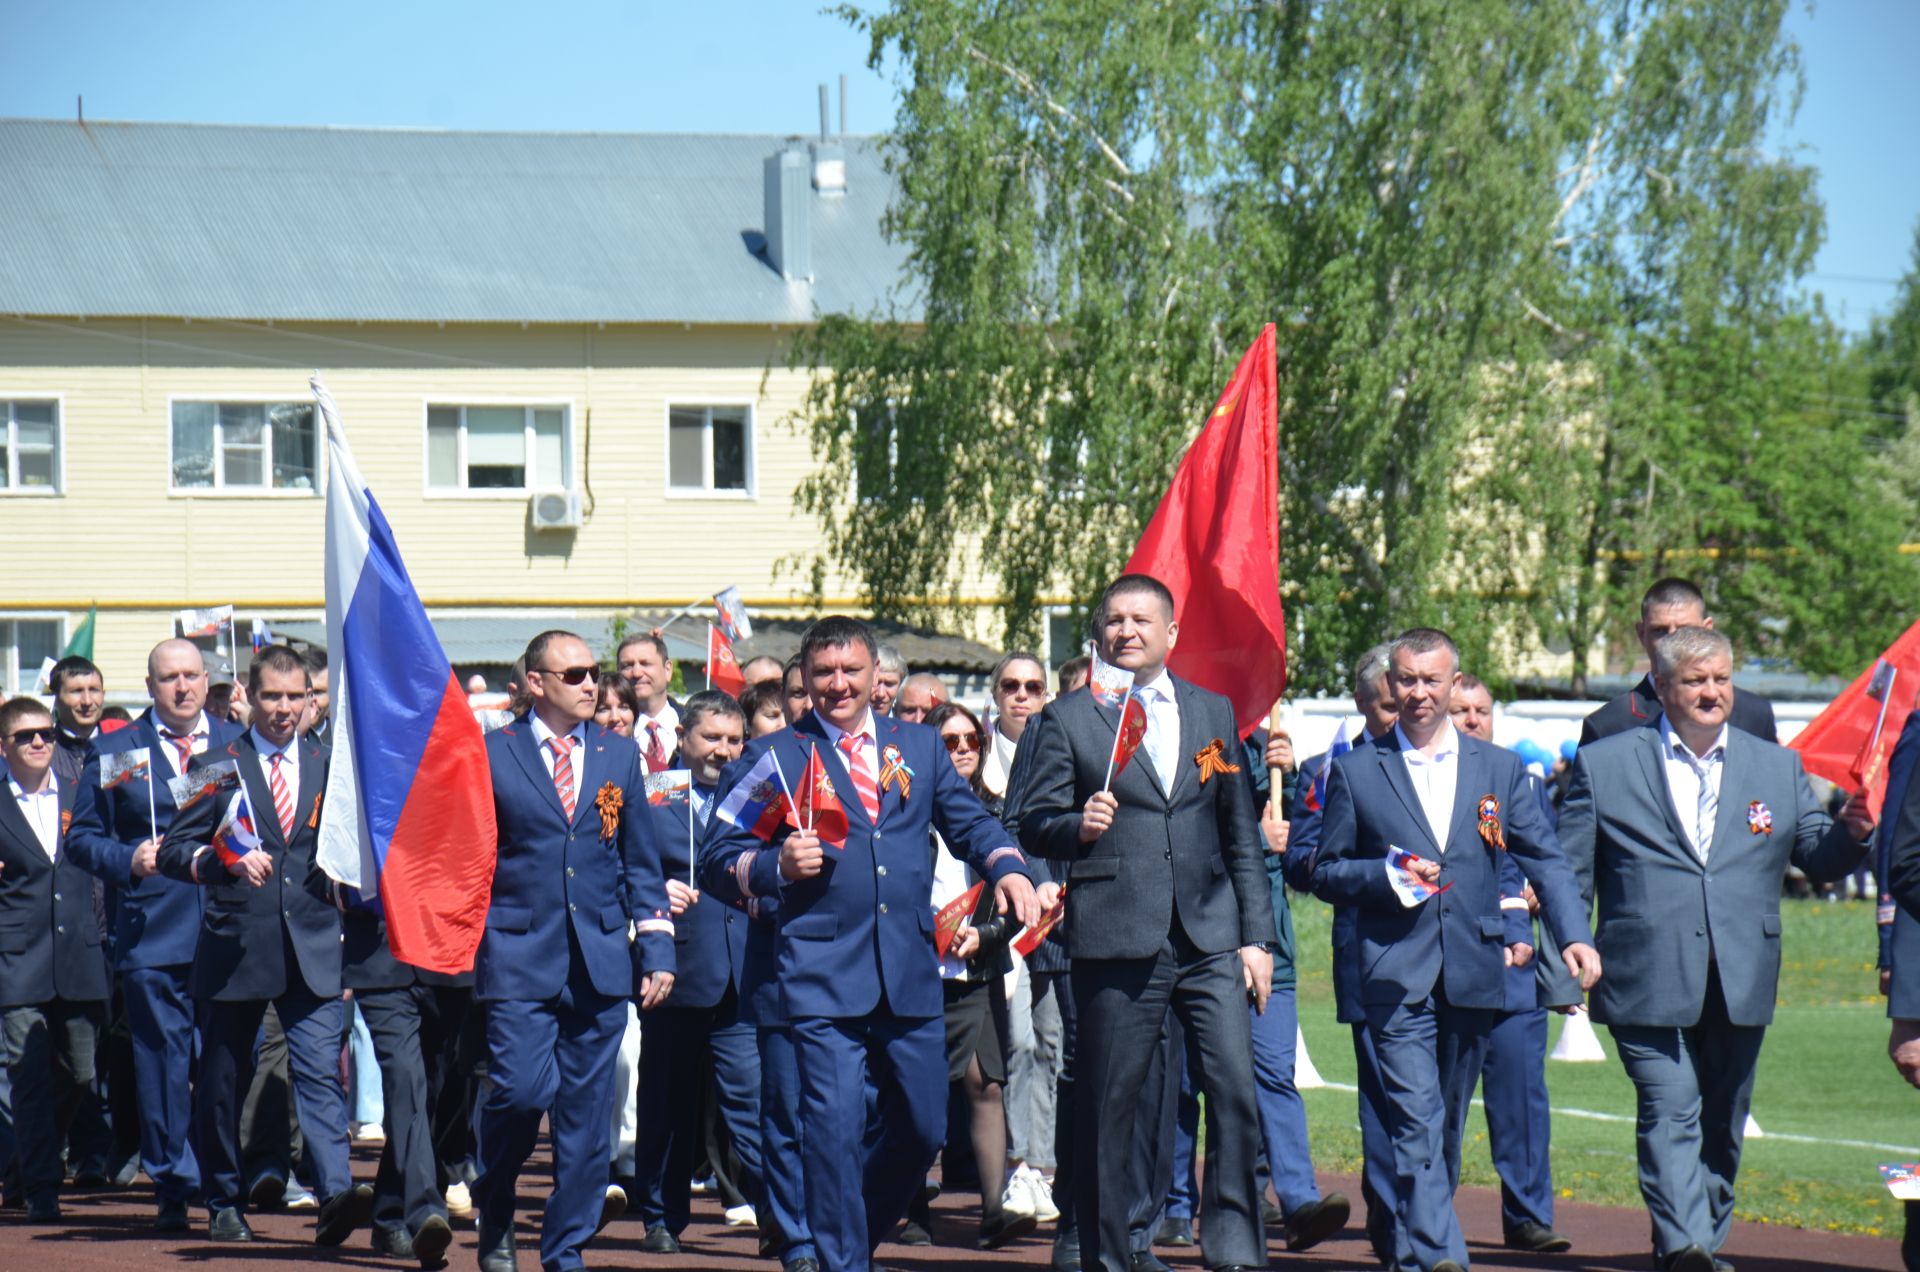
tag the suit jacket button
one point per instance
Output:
(1169, 854)
(883, 907)
(56, 896)
(571, 907)
(60, 927)
(876, 836)
(569, 872)
(879, 870)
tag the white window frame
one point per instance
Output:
(569, 442)
(9, 447)
(10, 670)
(220, 490)
(752, 489)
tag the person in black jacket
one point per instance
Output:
(53, 974)
(1668, 606)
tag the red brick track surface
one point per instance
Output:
(112, 1232)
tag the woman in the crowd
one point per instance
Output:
(765, 708)
(973, 973)
(617, 706)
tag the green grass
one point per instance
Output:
(1823, 1073)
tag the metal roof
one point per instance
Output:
(403, 225)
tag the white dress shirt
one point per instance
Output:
(1162, 743)
(1436, 778)
(869, 746)
(169, 755)
(42, 811)
(1685, 772)
(949, 881)
(289, 763)
(668, 721)
(543, 738)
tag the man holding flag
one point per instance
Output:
(1171, 912)
(853, 953)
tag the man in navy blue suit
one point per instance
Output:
(1432, 966)
(854, 954)
(578, 871)
(157, 920)
(703, 1019)
(270, 934)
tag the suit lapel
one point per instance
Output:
(158, 765)
(307, 800)
(887, 734)
(266, 819)
(1190, 736)
(14, 822)
(1387, 752)
(1730, 816)
(1471, 780)
(527, 751)
(809, 736)
(594, 767)
(1655, 766)
(69, 796)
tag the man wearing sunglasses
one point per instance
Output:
(577, 871)
(157, 919)
(53, 976)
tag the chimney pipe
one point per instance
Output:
(843, 104)
(823, 112)
(829, 156)
(789, 226)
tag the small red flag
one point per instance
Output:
(1029, 941)
(817, 806)
(723, 669)
(1848, 742)
(1127, 739)
(947, 921)
(1215, 542)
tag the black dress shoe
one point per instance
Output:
(1270, 1214)
(1688, 1259)
(498, 1252)
(227, 1224)
(1314, 1222)
(659, 1241)
(1005, 1228)
(1146, 1261)
(341, 1213)
(172, 1217)
(267, 1193)
(1537, 1238)
(431, 1241)
(913, 1234)
(43, 1209)
(1174, 1230)
(805, 1263)
(1066, 1252)
(393, 1242)
(91, 1176)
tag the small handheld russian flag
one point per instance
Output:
(759, 800)
(236, 836)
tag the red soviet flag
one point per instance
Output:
(723, 669)
(1849, 742)
(1215, 542)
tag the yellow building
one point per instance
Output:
(560, 359)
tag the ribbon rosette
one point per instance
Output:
(1212, 761)
(1759, 818)
(893, 768)
(1490, 830)
(608, 801)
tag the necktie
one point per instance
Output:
(182, 745)
(563, 772)
(656, 750)
(282, 797)
(862, 775)
(1707, 807)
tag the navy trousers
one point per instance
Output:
(165, 1043)
(230, 1030)
(1376, 1147)
(856, 1192)
(1513, 1086)
(550, 1059)
(675, 1044)
(782, 1156)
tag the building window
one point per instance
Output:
(710, 449)
(25, 646)
(30, 434)
(251, 446)
(513, 448)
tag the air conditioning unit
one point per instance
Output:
(556, 510)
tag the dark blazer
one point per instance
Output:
(1900, 767)
(862, 928)
(1666, 920)
(49, 941)
(1303, 853)
(1194, 851)
(710, 936)
(157, 919)
(1458, 937)
(555, 875)
(1900, 876)
(245, 931)
(1638, 707)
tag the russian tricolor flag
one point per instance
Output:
(760, 800)
(408, 816)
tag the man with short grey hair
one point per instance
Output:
(889, 669)
(1683, 832)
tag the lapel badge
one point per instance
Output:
(66, 821)
(1211, 761)
(1490, 829)
(893, 768)
(608, 801)
(1759, 818)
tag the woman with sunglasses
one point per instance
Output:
(972, 974)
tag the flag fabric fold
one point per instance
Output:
(818, 806)
(723, 669)
(1215, 542)
(733, 614)
(1408, 886)
(1127, 738)
(1109, 684)
(236, 836)
(408, 817)
(80, 644)
(759, 801)
(948, 920)
(1848, 743)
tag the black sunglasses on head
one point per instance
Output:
(572, 675)
(27, 737)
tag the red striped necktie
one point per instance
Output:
(861, 773)
(182, 745)
(282, 797)
(563, 772)
(656, 752)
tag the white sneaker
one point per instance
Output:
(742, 1217)
(1042, 1193)
(459, 1201)
(369, 1133)
(1017, 1199)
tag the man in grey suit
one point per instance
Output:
(1170, 912)
(1683, 832)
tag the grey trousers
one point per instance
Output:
(1033, 1067)
(50, 1048)
(1694, 1086)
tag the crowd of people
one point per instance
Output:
(796, 947)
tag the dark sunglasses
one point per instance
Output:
(27, 737)
(1034, 687)
(953, 741)
(572, 675)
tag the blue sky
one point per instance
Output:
(753, 66)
